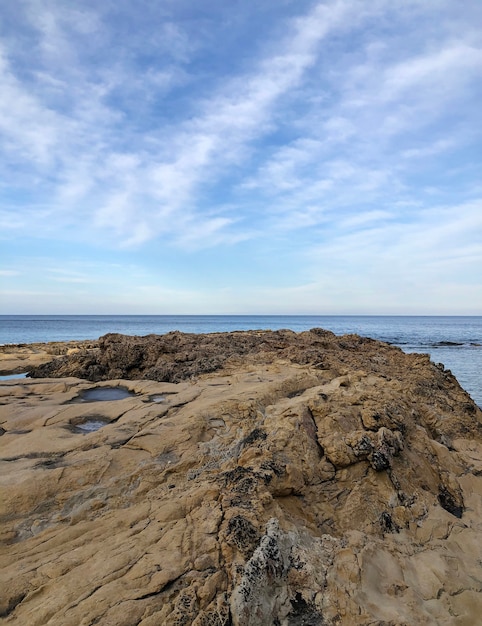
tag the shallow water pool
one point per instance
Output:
(104, 394)
(89, 425)
(13, 376)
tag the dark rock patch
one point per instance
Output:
(450, 502)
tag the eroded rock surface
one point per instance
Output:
(18, 358)
(307, 479)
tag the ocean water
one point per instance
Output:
(454, 341)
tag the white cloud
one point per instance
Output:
(434, 246)
(436, 73)
(28, 129)
(63, 275)
(429, 149)
(162, 184)
(358, 147)
(348, 135)
(8, 273)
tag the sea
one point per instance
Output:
(455, 341)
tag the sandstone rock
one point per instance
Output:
(18, 358)
(305, 479)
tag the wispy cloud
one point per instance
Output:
(8, 273)
(398, 262)
(137, 195)
(70, 276)
(345, 132)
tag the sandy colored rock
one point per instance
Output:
(20, 358)
(307, 479)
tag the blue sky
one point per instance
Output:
(182, 157)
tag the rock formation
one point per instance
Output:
(16, 359)
(258, 478)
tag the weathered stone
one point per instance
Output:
(309, 479)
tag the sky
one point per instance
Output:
(288, 157)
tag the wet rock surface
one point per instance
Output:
(289, 479)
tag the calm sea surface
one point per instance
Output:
(454, 341)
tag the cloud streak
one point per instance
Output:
(344, 133)
(136, 194)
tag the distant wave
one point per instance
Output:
(432, 345)
(451, 344)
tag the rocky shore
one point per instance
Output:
(18, 358)
(243, 479)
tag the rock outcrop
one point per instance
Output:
(179, 356)
(261, 478)
(17, 358)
